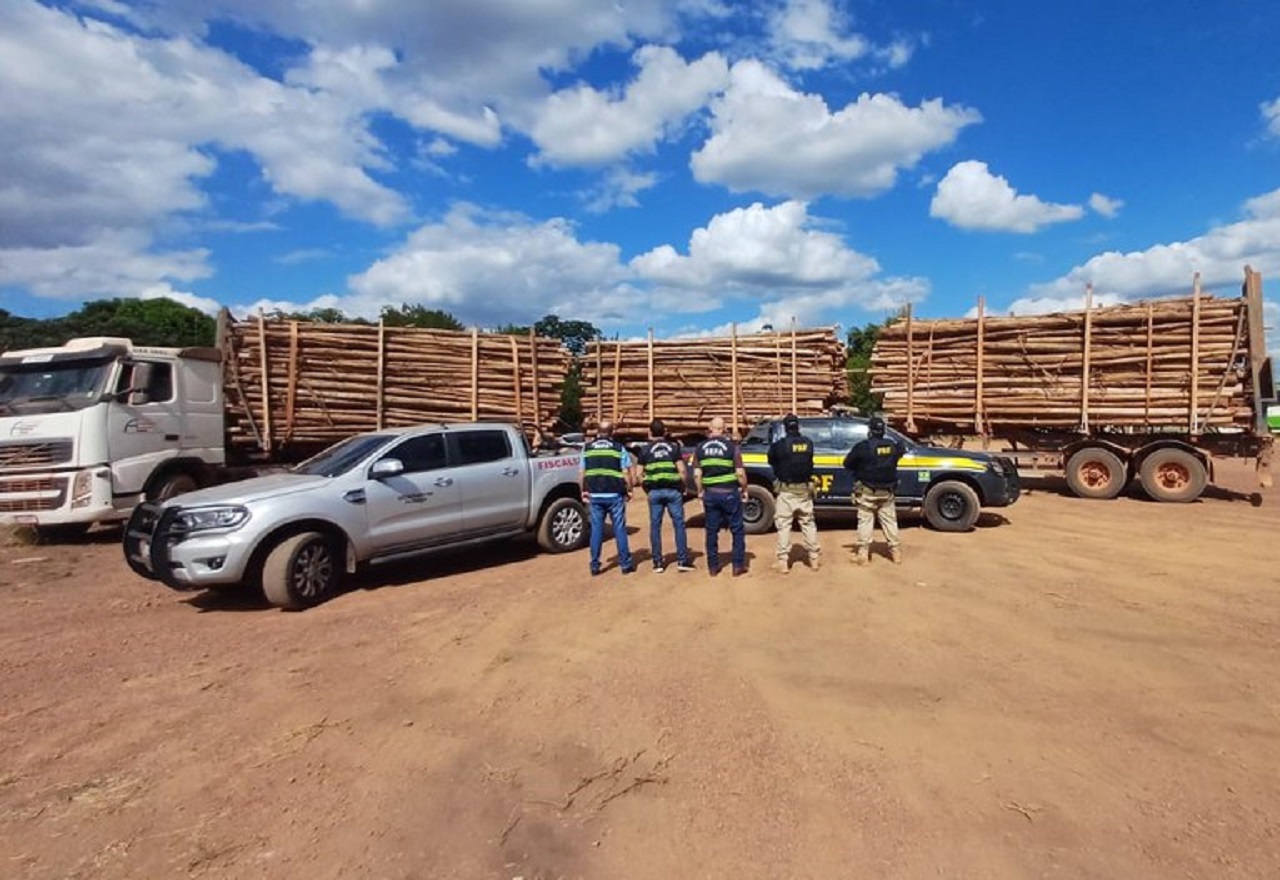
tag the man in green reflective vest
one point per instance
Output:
(606, 489)
(722, 486)
(662, 472)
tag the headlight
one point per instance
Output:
(202, 519)
(82, 489)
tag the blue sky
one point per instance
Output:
(675, 164)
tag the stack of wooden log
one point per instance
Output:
(686, 382)
(1174, 364)
(299, 385)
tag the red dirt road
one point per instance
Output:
(1076, 689)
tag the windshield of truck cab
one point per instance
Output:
(343, 456)
(48, 387)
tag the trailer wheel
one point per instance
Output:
(757, 510)
(301, 571)
(563, 526)
(952, 506)
(1094, 472)
(1173, 475)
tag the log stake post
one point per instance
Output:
(617, 384)
(911, 411)
(979, 416)
(599, 381)
(1146, 408)
(537, 384)
(518, 384)
(793, 364)
(1193, 415)
(382, 374)
(1088, 351)
(291, 391)
(652, 414)
(733, 373)
(266, 383)
(475, 374)
(1257, 347)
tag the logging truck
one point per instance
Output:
(1154, 391)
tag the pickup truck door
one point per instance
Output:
(420, 506)
(844, 436)
(494, 478)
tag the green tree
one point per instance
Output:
(420, 316)
(575, 335)
(328, 315)
(861, 341)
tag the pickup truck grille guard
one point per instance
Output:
(147, 539)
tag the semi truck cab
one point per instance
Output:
(90, 428)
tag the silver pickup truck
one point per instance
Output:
(373, 498)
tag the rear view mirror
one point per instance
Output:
(385, 468)
(139, 383)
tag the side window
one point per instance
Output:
(159, 389)
(759, 435)
(849, 433)
(425, 453)
(477, 447)
(820, 432)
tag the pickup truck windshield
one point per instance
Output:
(343, 456)
(51, 387)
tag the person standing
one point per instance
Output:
(791, 458)
(661, 471)
(606, 489)
(722, 486)
(874, 463)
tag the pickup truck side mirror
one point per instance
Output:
(385, 468)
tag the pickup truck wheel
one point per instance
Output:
(1173, 475)
(952, 506)
(1096, 473)
(301, 571)
(757, 510)
(563, 526)
(169, 486)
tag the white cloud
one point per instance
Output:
(113, 264)
(1219, 255)
(813, 34)
(971, 197)
(191, 300)
(768, 137)
(1105, 205)
(1271, 116)
(494, 269)
(775, 257)
(619, 189)
(583, 125)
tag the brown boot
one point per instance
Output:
(895, 553)
(863, 556)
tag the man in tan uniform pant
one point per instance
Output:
(791, 458)
(874, 463)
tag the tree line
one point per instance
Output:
(164, 322)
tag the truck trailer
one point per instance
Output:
(1156, 390)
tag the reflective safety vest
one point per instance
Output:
(715, 457)
(659, 460)
(602, 467)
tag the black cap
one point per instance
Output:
(790, 421)
(875, 425)
(657, 428)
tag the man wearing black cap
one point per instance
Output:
(660, 469)
(874, 463)
(791, 458)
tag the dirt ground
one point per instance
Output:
(1075, 689)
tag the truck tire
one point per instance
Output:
(757, 510)
(952, 506)
(563, 527)
(1094, 472)
(1173, 475)
(301, 571)
(171, 484)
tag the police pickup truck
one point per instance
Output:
(950, 486)
(372, 498)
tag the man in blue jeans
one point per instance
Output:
(662, 472)
(722, 486)
(606, 489)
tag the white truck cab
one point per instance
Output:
(90, 428)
